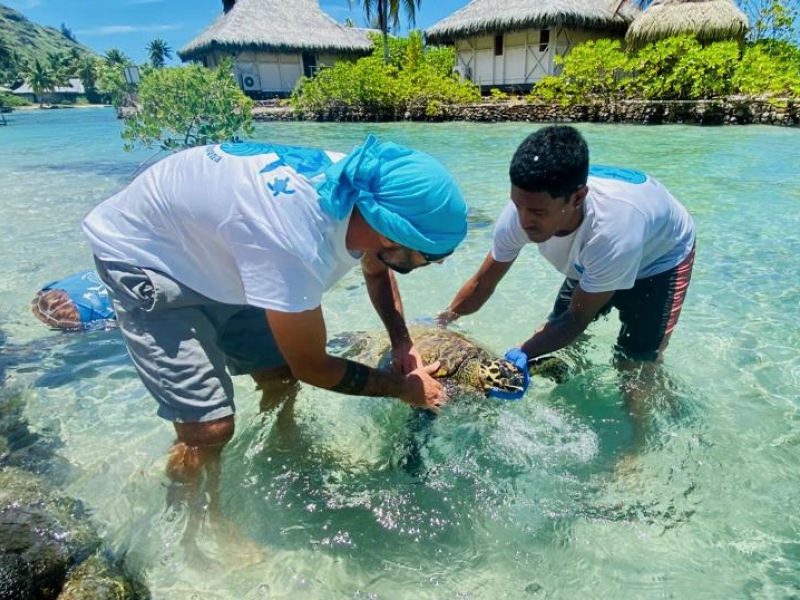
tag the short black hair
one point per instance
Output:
(553, 159)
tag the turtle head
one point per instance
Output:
(505, 376)
(502, 375)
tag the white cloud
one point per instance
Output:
(118, 29)
(23, 4)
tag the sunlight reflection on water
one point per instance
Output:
(558, 496)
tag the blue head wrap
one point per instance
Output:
(403, 194)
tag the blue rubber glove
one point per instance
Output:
(520, 360)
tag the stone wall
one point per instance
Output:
(732, 110)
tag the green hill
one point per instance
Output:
(25, 40)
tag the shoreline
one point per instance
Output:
(57, 106)
(734, 110)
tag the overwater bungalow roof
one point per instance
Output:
(491, 16)
(276, 26)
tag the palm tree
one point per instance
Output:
(60, 67)
(116, 57)
(40, 80)
(86, 71)
(389, 10)
(5, 52)
(159, 51)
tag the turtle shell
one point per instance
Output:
(453, 350)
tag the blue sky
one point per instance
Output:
(130, 24)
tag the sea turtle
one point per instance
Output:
(463, 362)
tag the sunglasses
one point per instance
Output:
(434, 257)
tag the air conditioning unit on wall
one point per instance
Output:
(251, 82)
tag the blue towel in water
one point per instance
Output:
(88, 294)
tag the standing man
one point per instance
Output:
(618, 236)
(217, 258)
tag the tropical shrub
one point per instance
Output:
(682, 68)
(707, 71)
(416, 80)
(652, 69)
(188, 106)
(591, 70)
(497, 95)
(12, 101)
(761, 72)
(110, 83)
(676, 68)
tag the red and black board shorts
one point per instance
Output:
(648, 311)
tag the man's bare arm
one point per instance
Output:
(301, 338)
(385, 297)
(477, 290)
(564, 329)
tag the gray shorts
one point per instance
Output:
(185, 345)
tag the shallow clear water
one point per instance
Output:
(564, 495)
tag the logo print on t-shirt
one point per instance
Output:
(306, 161)
(280, 186)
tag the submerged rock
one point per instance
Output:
(49, 549)
(97, 577)
(42, 536)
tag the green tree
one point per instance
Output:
(67, 33)
(114, 56)
(772, 19)
(159, 52)
(60, 66)
(110, 79)
(417, 82)
(86, 69)
(188, 106)
(762, 72)
(386, 11)
(5, 52)
(41, 80)
(592, 70)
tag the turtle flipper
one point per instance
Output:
(550, 367)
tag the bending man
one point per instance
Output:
(617, 235)
(217, 259)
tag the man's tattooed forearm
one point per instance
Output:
(354, 380)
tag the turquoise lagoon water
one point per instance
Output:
(563, 495)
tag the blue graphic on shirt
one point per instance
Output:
(618, 173)
(245, 148)
(578, 268)
(280, 186)
(305, 161)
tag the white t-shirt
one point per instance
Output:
(239, 223)
(632, 228)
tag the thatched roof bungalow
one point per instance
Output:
(708, 20)
(274, 42)
(513, 43)
(62, 93)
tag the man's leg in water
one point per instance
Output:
(173, 335)
(649, 313)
